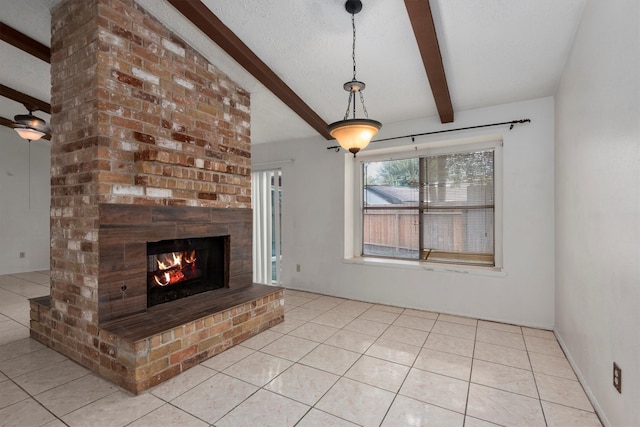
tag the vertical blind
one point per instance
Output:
(267, 253)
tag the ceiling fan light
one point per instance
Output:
(354, 134)
(30, 134)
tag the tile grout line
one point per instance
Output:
(361, 354)
(535, 382)
(408, 372)
(473, 358)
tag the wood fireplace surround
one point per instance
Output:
(125, 231)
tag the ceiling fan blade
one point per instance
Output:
(31, 121)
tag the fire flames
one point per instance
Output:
(174, 267)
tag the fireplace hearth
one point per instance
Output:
(179, 268)
(138, 346)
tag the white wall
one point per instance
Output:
(24, 203)
(598, 207)
(313, 229)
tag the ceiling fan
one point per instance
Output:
(30, 127)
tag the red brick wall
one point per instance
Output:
(177, 128)
(138, 117)
(74, 183)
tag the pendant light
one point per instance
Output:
(354, 134)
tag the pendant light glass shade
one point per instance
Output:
(354, 134)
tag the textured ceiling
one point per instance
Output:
(494, 52)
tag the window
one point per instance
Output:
(266, 192)
(435, 207)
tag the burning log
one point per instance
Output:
(174, 267)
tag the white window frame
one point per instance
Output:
(354, 196)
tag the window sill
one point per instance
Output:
(427, 266)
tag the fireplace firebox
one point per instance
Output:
(180, 268)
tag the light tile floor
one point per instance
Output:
(332, 362)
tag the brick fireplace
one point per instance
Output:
(150, 144)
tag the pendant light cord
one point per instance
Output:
(353, 46)
(29, 172)
(353, 59)
(346, 113)
(352, 96)
(353, 56)
(364, 107)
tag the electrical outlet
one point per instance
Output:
(617, 377)
(298, 268)
(21, 255)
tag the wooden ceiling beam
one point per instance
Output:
(220, 34)
(25, 43)
(28, 101)
(425, 31)
(6, 122)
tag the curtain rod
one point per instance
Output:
(268, 164)
(412, 136)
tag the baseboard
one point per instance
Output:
(592, 398)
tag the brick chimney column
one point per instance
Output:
(74, 179)
(140, 121)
